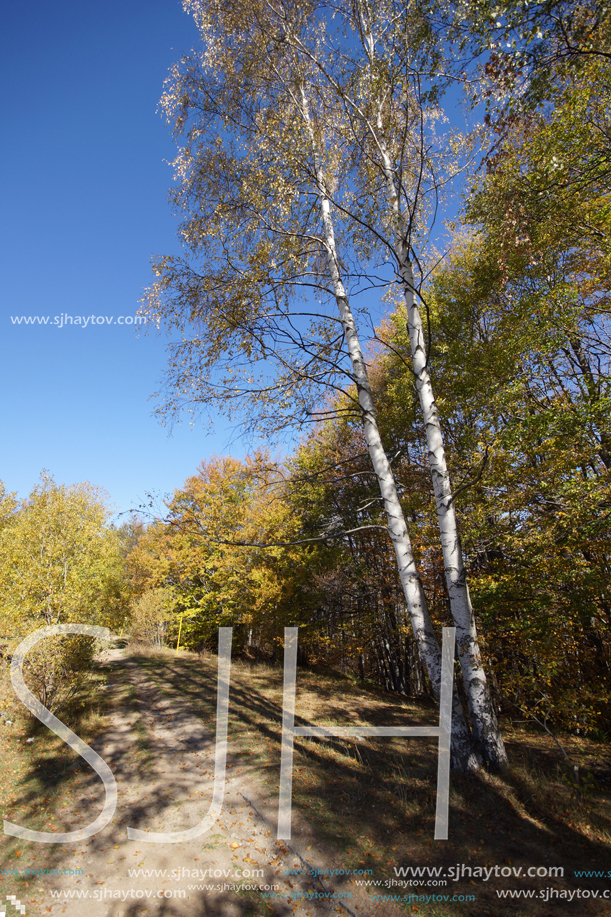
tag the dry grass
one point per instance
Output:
(371, 804)
(366, 804)
(43, 782)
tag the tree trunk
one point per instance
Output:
(463, 755)
(481, 709)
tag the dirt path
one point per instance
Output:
(163, 760)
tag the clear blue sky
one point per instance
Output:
(85, 176)
(84, 207)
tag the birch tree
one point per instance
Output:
(385, 95)
(256, 177)
(404, 208)
(410, 580)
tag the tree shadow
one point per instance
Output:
(364, 805)
(384, 790)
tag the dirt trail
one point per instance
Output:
(163, 760)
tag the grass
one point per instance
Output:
(357, 805)
(43, 782)
(40, 768)
(371, 804)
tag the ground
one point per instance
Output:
(362, 808)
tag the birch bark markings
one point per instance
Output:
(424, 634)
(481, 709)
(483, 718)
(252, 76)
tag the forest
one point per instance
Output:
(396, 223)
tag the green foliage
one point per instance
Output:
(209, 555)
(518, 332)
(59, 563)
(522, 46)
(150, 614)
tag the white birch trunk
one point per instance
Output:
(481, 709)
(424, 634)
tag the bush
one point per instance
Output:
(150, 617)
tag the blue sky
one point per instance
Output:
(84, 207)
(85, 177)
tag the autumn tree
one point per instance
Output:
(520, 355)
(315, 158)
(203, 556)
(150, 614)
(536, 512)
(389, 99)
(60, 563)
(358, 600)
(521, 47)
(261, 221)
(532, 285)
